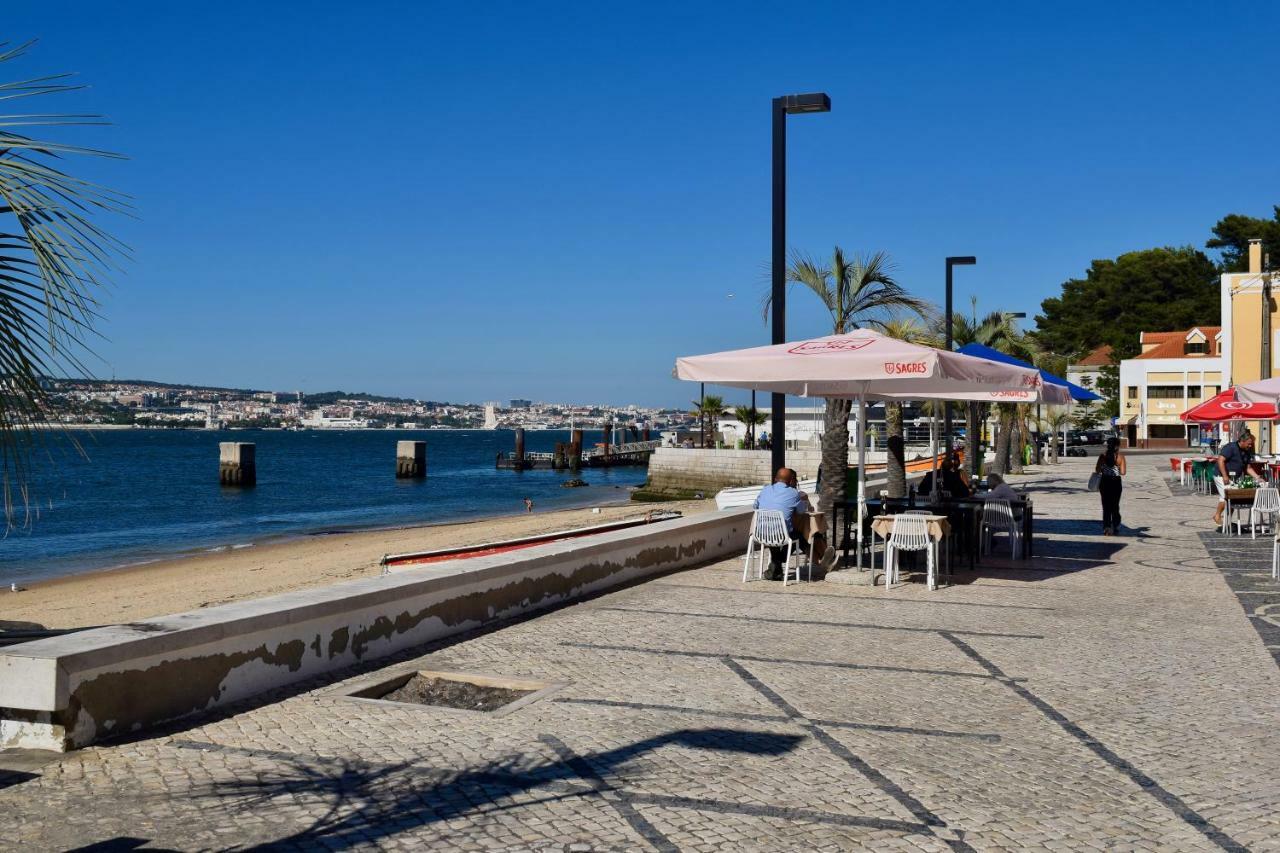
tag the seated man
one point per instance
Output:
(952, 477)
(1000, 490)
(783, 495)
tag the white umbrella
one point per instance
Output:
(865, 365)
(1262, 391)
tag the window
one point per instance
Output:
(1193, 392)
(1133, 392)
(1164, 392)
(1166, 431)
(1197, 348)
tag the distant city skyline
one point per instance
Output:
(519, 201)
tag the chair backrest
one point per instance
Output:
(769, 527)
(1267, 499)
(997, 513)
(910, 532)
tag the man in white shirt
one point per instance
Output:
(1000, 490)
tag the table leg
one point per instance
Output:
(1027, 527)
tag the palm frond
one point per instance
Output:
(53, 262)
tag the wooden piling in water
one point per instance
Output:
(411, 460)
(575, 449)
(237, 463)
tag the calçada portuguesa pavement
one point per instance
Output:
(1114, 693)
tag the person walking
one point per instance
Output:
(1110, 468)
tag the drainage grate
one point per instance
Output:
(455, 691)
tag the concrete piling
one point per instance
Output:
(608, 438)
(519, 454)
(411, 460)
(575, 449)
(237, 464)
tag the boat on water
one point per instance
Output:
(391, 562)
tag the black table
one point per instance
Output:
(969, 530)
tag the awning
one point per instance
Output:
(1078, 393)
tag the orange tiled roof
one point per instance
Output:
(1174, 344)
(1100, 357)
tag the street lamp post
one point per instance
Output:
(813, 102)
(961, 260)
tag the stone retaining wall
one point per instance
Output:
(68, 691)
(679, 471)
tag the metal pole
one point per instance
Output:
(946, 406)
(1264, 429)
(778, 402)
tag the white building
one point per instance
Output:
(1174, 371)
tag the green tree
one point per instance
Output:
(750, 417)
(856, 290)
(707, 410)
(1154, 290)
(53, 260)
(1233, 233)
(1086, 416)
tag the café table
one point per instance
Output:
(1235, 499)
(810, 525)
(939, 528)
(968, 526)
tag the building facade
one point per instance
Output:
(1247, 327)
(1174, 371)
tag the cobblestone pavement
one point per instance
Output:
(1111, 694)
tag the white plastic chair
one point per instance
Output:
(1266, 503)
(769, 530)
(997, 516)
(910, 533)
(1275, 557)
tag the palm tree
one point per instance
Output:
(1054, 419)
(995, 330)
(750, 417)
(907, 329)
(855, 290)
(707, 409)
(53, 259)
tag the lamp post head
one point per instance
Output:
(962, 260)
(813, 102)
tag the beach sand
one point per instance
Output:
(133, 593)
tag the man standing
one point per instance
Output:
(783, 496)
(1234, 461)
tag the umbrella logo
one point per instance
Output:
(1010, 395)
(897, 368)
(1236, 405)
(824, 347)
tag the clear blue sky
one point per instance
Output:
(475, 201)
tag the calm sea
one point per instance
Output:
(148, 494)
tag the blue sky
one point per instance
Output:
(477, 201)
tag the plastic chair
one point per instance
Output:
(997, 516)
(1266, 502)
(1201, 469)
(769, 530)
(910, 533)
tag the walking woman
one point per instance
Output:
(1110, 469)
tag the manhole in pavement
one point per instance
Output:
(457, 691)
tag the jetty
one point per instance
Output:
(573, 456)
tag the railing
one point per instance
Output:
(619, 449)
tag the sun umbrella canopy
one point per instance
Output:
(1078, 393)
(872, 366)
(1226, 407)
(1262, 391)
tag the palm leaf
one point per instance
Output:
(54, 259)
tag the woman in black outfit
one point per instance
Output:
(1111, 468)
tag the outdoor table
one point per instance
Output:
(939, 527)
(808, 525)
(1183, 465)
(1235, 499)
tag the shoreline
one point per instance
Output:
(128, 593)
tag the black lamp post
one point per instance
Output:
(962, 260)
(814, 102)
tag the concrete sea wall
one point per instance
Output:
(681, 471)
(66, 692)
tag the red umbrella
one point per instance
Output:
(1225, 407)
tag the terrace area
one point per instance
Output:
(1118, 693)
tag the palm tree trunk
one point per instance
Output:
(1004, 425)
(835, 461)
(1017, 443)
(973, 440)
(896, 469)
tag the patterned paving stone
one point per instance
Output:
(1111, 694)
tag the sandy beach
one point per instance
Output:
(173, 586)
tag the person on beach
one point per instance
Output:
(783, 495)
(1111, 468)
(528, 504)
(1234, 461)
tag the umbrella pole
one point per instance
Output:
(862, 471)
(933, 444)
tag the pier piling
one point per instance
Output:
(411, 460)
(575, 449)
(519, 454)
(237, 465)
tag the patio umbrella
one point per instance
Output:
(1078, 393)
(1262, 391)
(1227, 406)
(864, 365)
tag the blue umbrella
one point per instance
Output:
(1079, 394)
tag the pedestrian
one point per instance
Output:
(1110, 468)
(528, 504)
(1235, 461)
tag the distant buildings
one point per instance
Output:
(1174, 371)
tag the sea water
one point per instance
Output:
(146, 494)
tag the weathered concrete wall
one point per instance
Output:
(677, 470)
(69, 691)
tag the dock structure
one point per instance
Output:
(571, 456)
(237, 463)
(411, 460)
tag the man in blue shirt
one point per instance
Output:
(784, 496)
(1234, 461)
